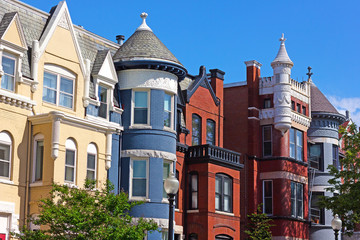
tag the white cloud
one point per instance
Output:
(351, 104)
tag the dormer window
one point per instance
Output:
(103, 99)
(58, 86)
(8, 65)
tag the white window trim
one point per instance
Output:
(133, 125)
(92, 150)
(18, 53)
(38, 137)
(16, 60)
(171, 168)
(272, 197)
(59, 72)
(5, 139)
(171, 128)
(68, 146)
(131, 197)
(9, 219)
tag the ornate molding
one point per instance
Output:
(63, 22)
(266, 113)
(303, 120)
(16, 100)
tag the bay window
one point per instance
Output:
(297, 200)
(296, 144)
(223, 193)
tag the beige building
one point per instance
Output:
(58, 107)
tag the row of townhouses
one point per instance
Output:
(74, 105)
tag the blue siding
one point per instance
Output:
(113, 173)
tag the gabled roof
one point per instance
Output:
(144, 45)
(5, 22)
(190, 86)
(319, 103)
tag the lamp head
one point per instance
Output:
(336, 223)
(171, 184)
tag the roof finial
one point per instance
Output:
(282, 39)
(143, 26)
(309, 73)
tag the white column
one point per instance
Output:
(86, 83)
(108, 150)
(35, 57)
(55, 138)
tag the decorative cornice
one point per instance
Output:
(16, 100)
(300, 119)
(267, 113)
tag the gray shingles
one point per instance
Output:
(144, 44)
(319, 103)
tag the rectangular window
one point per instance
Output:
(303, 110)
(316, 156)
(267, 103)
(166, 173)
(194, 177)
(103, 99)
(223, 193)
(139, 178)
(91, 166)
(4, 160)
(293, 105)
(335, 156)
(141, 107)
(39, 158)
(268, 197)
(70, 166)
(196, 130)
(267, 141)
(317, 213)
(210, 132)
(8, 79)
(296, 144)
(297, 201)
(167, 110)
(58, 90)
(298, 106)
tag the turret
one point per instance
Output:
(282, 89)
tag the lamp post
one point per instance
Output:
(171, 186)
(336, 224)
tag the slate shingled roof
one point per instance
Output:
(143, 44)
(319, 103)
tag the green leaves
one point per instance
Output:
(87, 213)
(345, 182)
(259, 225)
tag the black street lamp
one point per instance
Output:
(336, 224)
(171, 186)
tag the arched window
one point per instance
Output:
(194, 186)
(210, 132)
(91, 161)
(70, 161)
(223, 193)
(196, 130)
(5, 155)
(38, 158)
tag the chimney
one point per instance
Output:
(347, 114)
(120, 39)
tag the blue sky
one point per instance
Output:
(323, 34)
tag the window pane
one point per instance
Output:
(69, 174)
(226, 203)
(299, 153)
(50, 80)
(299, 138)
(141, 99)
(49, 95)
(194, 182)
(140, 115)
(194, 200)
(167, 119)
(268, 205)
(39, 160)
(139, 187)
(139, 169)
(7, 82)
(70, 157)
(65, 100)
(267, 188)
(210, 132)
(4, 169)
(292, 135)
(167, 102)
(103, 110)
(227, 187)
(217, 202)
(196, 130)
(4, 152)
(267, 133)
(102, 94)
(91, 161)
(90, 175)
(315, 150)
(292, 150)
(218, 185)
(8, 65)
(66, 85)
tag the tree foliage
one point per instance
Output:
(87, 213)
(345, 182)
(259, 225)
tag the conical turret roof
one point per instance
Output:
(144, 45)
(319, 103)
(282, 56)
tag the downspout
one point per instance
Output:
(27, 177)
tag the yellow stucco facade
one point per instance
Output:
(37, 135)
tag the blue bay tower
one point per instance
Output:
(148, 76)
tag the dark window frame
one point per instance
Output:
(177, 194)
(269, 197)
(210, 141)
(267, 103)
(313, 159)
(265, 154)
(335, 155)
(304, 110)
(317, 210)
(298, 107)
(192, 192)
(293, 105)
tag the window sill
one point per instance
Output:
(169, 130)
(177, 210)
(70, 185)
(140, 127)
(36, 184)
(6, 181)
(133, 199)
(192, 211)
(165, 200)
(224, 213)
